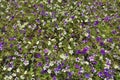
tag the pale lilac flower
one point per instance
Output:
(46, 50)
(1, 46)
(26, 62)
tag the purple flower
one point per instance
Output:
(119, 27)
(108, 61)
(101, 43)
(66, 14)
(37, 55)
(72, 17)
(54, 78)
(53, 14)
(38, 21)
(43, 71)
(78, 52)
(35, 6)
(110, 40)
(12, 17)
(114, 31)
(46, 58)
(91, 58)
(42, 13)
(20, 49)
(94, 62)
(59, 67)
(1, 46)
(41, 5)
(107, 18)
(65, 22)
(85, 50)
(39, 64)
(39, 31)
(12, 38)
(77, 66)
(46, 50)
(100, 3)
(87, 75)
(98, 39)
(57, 70)
(11, 65)
(100, 74)
(49, 1)
(108, 73)
(55, 47)
(96, 23)
(79, 3)
(69, 74)
(102, 51)
(85, 41)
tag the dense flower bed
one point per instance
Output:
(59, 40)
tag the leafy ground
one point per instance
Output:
(59, 40)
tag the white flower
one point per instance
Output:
(71, 39)
(85, 62)
(117, 47)
(49, 43)
(10, 77)
(10, 68)
(6, 77)
(101, 57)
(24, 41)
(14, 74)
(4, 68)
(22, 77)
(37, 42)
(112, 45)
(107, 66)
(51, 63)
(26, 63)
(25, 72)
(107, 79)
(93, 37)
(53, 40)
(61, 39)
(69, 19)
(86, 20)
(71, 52)
(103, 36)
(49, 71)
(63, 56)
(71, 30)
(53, 20)
(60, 44)
(60, 1)
(90, 79)
(18, 70)
(86, 34)
(64, 32)
(29, 42)
(116, 66)
(46, 66)
(77, 59)
(69, 47)
(22, 26)
(49, 52)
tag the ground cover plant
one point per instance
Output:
(59, 40)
